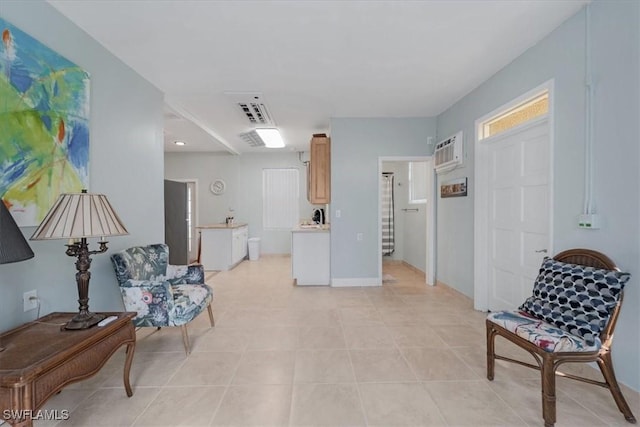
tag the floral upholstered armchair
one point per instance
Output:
(161, 294)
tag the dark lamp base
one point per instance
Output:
(84, 321)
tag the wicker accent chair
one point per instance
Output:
(161, 294)
(570, 318)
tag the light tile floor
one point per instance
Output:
(403, 354)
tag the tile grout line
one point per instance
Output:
(228, 386)
(293, 383)
(135, 420)
(420, 381)
(566, 395)
(355, 377)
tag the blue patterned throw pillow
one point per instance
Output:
(575, 298)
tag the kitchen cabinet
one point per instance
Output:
(239, 244)
(319, 172)
(310, 256)
(223, 246)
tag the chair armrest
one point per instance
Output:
(152, 300)
(185, 274)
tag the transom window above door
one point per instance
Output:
(533, 108)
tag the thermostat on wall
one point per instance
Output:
(217, 187)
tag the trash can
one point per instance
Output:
(254, 248)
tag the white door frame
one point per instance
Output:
(481, 178)
(430, 274)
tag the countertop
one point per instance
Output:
(312, 229)
(221, 225)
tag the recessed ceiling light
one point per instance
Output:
(271, 137)
(179, 142)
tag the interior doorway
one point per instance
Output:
(407, 227)
(181, 220)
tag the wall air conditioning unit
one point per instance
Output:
(448, 153)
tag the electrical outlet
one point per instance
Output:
(589, 221)
(30, 300)
(359, 237)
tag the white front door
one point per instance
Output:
(518, 208)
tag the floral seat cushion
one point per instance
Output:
(545, 335)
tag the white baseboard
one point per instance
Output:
(357, 281)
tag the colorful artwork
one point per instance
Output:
(44, 126)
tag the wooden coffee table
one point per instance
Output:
(41, 357)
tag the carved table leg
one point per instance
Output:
(127, 367)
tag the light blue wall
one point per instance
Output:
(560, 56)
(243, 176)
(126, 164)
(356, 146)
(616, 71)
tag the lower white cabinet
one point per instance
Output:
(310, 257)
(223, 247)
(239, 246)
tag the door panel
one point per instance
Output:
(176, 227)
(504, 289)
(535, 209)
(504, 207)
(536, 153)
(518, 213)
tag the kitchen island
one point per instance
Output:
(223, 246)
(310, 255)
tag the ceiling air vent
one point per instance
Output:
(256, 113)
(252, 106)
(252, 138)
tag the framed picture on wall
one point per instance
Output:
(454, 188)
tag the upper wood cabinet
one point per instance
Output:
(319, 172)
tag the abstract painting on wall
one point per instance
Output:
(44, 126)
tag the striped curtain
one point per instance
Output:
(388, 239)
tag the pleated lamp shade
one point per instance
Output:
(80, 215)
(13, 245)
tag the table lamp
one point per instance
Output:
(13, 245)
(77, 217)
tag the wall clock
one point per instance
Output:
(217, 187)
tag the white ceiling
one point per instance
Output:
(311, 60)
